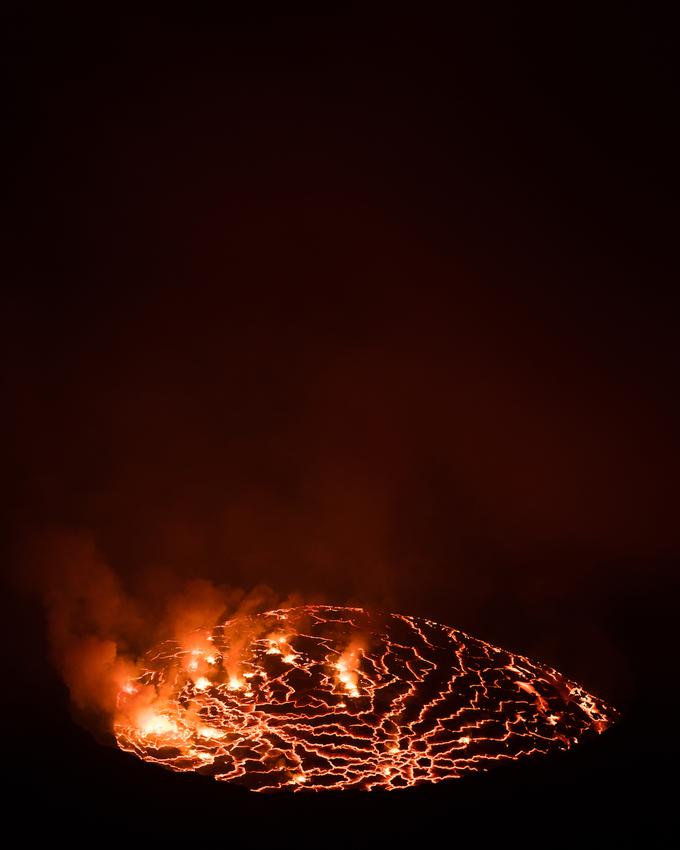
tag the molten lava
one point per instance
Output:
(320, 697)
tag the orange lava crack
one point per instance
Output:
(322, 697)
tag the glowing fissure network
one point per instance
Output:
(322, 697)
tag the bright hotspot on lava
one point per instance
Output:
(320, 697)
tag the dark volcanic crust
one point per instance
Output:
(321, 697)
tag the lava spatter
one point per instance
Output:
(321, 697)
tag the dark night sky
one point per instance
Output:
(375, 309)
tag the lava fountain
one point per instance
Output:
(322, 697)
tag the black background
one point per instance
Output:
(373, 308)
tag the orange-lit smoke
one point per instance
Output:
(92, 623)
(97, 629)
(347, 668)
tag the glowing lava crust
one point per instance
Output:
(321, 697)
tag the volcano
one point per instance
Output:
(324, 697)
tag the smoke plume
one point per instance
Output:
(97, 629)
